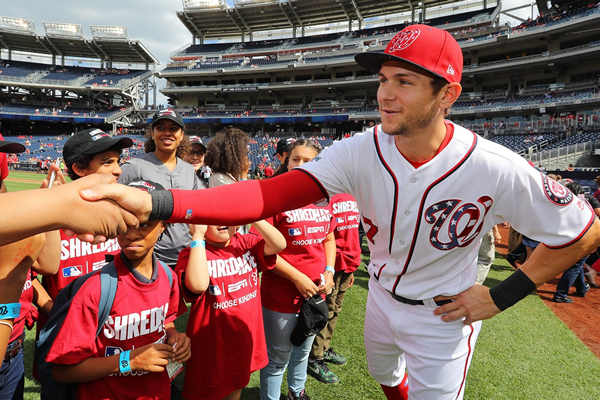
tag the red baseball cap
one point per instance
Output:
(432, 49)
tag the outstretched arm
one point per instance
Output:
(236, 204)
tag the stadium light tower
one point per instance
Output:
(109, 32)
(54, 29)
(199, 4)
(9, 24)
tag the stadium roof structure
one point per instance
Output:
(67, 40)
(213, 19)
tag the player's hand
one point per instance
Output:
(181, 345)
(305, 286)
(474, 304)
(91, 221)
(137, 202)
(151, 358)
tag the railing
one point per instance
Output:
(561, 153)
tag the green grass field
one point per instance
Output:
(523, 353)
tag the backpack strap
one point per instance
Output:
(108, 284)
(168, 270)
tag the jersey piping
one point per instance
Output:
(422, 205)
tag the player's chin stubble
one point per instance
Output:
(414, 123)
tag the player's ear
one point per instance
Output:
(450, 94)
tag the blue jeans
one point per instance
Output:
(12, 378)
(572, 277)
(282, 353)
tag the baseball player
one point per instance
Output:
(432, 189)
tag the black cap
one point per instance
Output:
(146, 185)
(169, 114)
(91, 141)
(313, 317)
(197, 140)
(284, 145)
(11, 147)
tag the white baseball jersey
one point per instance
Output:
(424, 225)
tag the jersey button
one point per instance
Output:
(413, 180)
(407, 213)
(401, 242)
(397, 262)
(387, 279)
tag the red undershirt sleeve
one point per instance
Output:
(248, 201)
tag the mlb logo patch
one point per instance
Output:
(111, 351)
(214, 290)
(294, 231)
(339, 220)
(71, 272)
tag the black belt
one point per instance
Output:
(14, 347)
(418, 302)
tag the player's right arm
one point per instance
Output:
(236, 204)
(150, 358)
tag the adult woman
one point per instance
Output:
(303, 269)
(165, 143)
(195, 156)
(227, 157)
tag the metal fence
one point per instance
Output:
(561, 154)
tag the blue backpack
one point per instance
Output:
(52, 389)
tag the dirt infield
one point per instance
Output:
(580, 316)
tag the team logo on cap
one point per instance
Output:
(167, 111)
(404, 39)
(555, 192)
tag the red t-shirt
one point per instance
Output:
(26, 308)
(138, 316)
(347, 242)
(226, 322)
(304, 230)
(3, 164)
(77, 258)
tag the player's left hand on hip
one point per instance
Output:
(474, 304)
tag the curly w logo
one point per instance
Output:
(456, 224)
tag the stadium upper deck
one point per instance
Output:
(543, 66)
(60, 89)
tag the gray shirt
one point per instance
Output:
(148, 167)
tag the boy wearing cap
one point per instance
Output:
(283, 148)
(165, 143)
(91, 151)
(432, 189)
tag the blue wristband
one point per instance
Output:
(330, 269)
(124, 365)
(196, 243)
(10, 310)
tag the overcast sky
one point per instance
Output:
(153, 22)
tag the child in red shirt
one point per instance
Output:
(304, 268)
(140, 322)
(220, 278)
